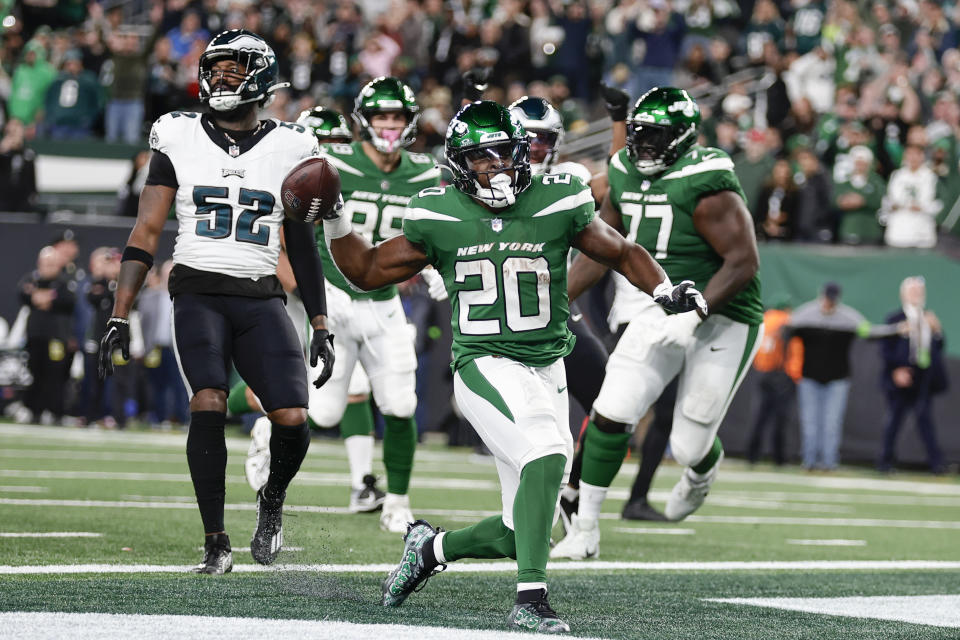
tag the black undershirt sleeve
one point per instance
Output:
(162, 171)
(306, 265)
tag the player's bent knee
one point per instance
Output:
(610, 426)
(291, 416)
(326, 414)
(400, 405)
(689, 452)
(209, 400)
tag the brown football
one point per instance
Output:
(310, 190)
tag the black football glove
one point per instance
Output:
(116, 336)
(475, 83)
(616, 101)
(680, 298)
(321, 348)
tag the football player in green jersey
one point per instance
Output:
(499, 237)
(329, 126)
(377, 176)
(683, 203)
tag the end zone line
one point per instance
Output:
(510, 567)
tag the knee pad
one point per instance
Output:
(702, 406)
(326, 415)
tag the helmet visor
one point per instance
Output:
(492, 159)
(541, 144)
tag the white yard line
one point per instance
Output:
(934, 610)
(49, 534)
(22, 488)
(656, 531)
(835, 542)
(510, 567)
(97, 626)
(247, 549)
(759, 520)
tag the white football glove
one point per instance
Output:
(435, 286)
(678, 329)
(680, 298)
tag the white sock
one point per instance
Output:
(591, 498)
(527, 586)
(569, 492)
(396, 500)
(360, 457)
(438, 547)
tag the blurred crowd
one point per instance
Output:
(842, 115)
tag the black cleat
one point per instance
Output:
(412, 573)
(217, 556)
(368, 499)
(536, 616)
(268, 536)
(641, 510)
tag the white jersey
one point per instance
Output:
(227, 207)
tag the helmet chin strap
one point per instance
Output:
(502, 187)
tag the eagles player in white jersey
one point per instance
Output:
(222, 172)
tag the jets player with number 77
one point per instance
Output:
(499, 238)
(222, 172)
(683, 203)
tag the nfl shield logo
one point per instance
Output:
(497, 225)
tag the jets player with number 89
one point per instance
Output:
(222, 172)
(683, 203)
(378, 176)
(499, 237)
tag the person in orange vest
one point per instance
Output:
(780, 364)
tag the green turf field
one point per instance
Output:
(880, 555)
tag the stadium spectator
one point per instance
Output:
(662, 31)
(779, 362)
(778, 204)
(911, 204)
(913, 372)
(858, 201)
(73, 101)
(96, 391)
(18, 179)
(184, 37)
(753, 167)
(168, 398)
(814, 220)
(826, 328)
(29, 84)
(51, 297)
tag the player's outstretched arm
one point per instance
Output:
(724, 222)
(584, 272)
(370, 267)
(155, 203)
(605, 245)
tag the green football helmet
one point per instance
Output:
(485, 139)
(661, 127)
(382, 95)
(328, 125)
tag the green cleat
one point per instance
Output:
(411, 574)
(536, 616)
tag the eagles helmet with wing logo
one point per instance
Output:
(329, 126)
(258, 80)
(484, 141)
(544, 125)
(381, 95)
(662, 126)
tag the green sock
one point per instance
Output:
(237, 400)
(357, 420)
(399, 443)
(711, 458)
(603, 454)
(533, 510)
(489, 538)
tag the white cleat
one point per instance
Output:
(257, 466)
(689, 493)
(396, 513)
(581, 542)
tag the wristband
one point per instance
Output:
(137, 254)
(337, 228)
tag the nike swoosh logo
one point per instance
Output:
(717, 348)
(561, 389)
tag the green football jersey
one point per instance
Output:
(505, 271)
(375, 201)
(658, 215)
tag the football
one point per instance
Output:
(311, 189)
